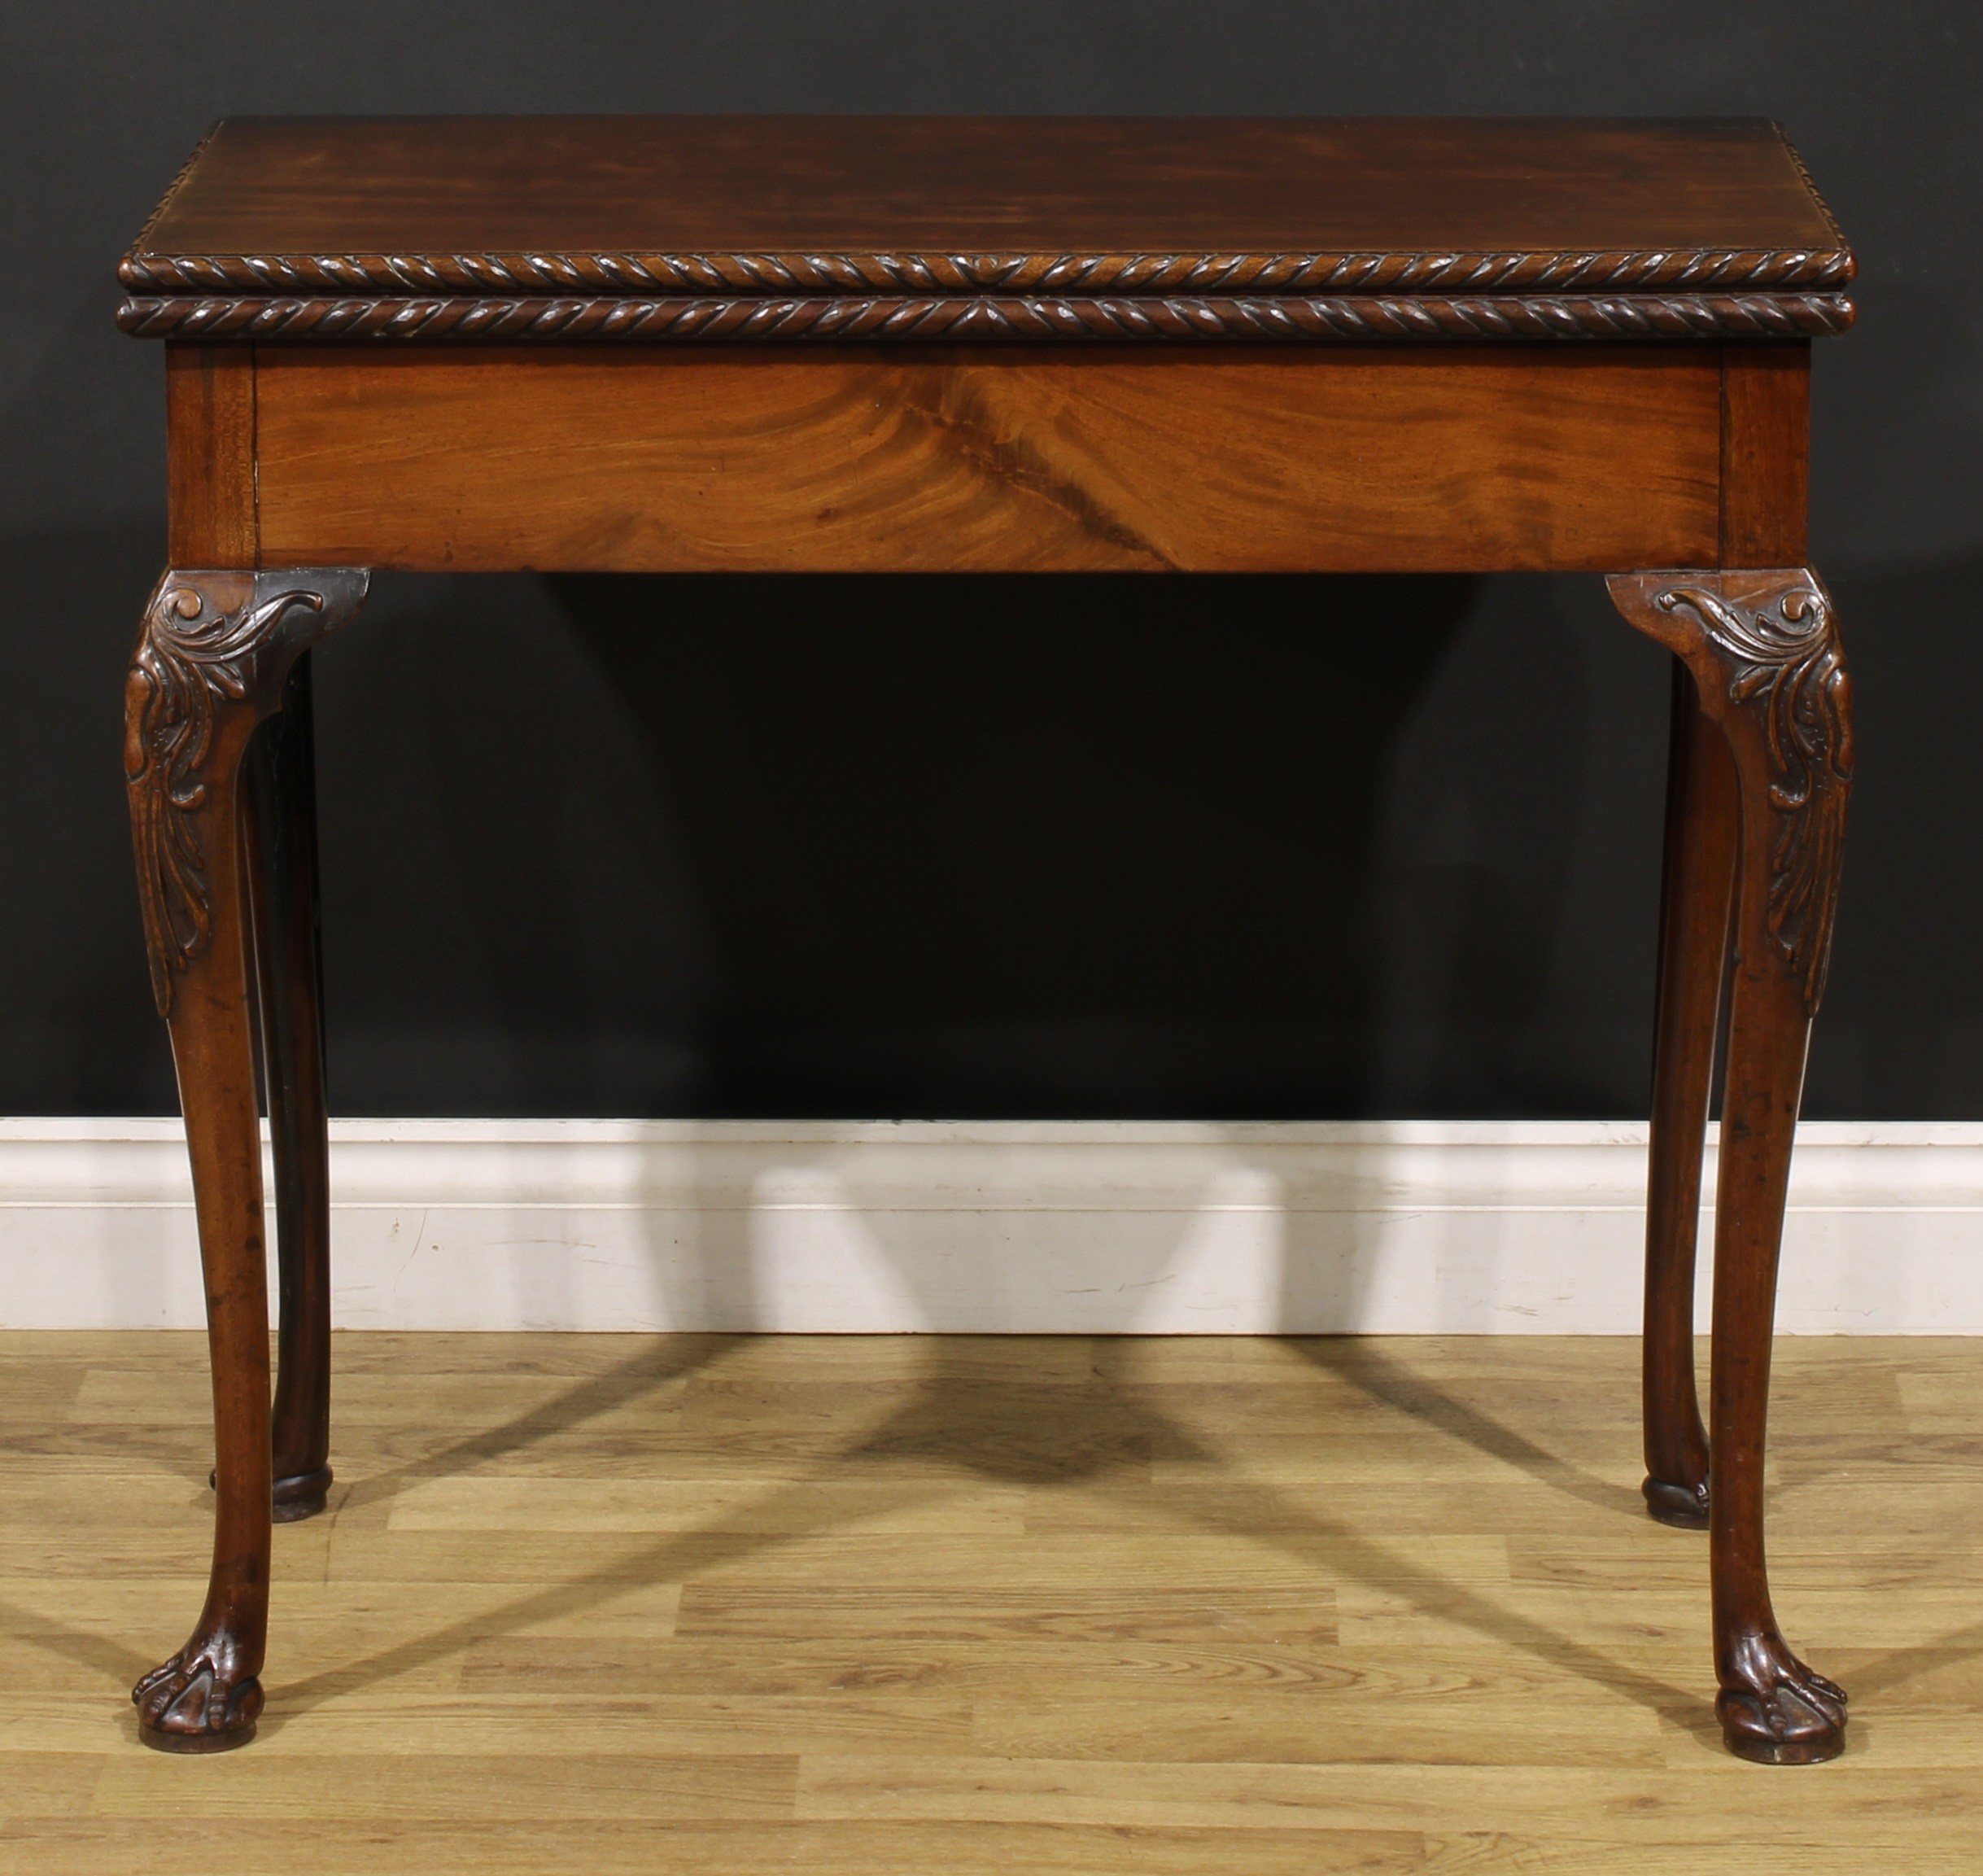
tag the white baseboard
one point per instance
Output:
(1392, 1227)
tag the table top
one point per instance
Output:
(676, 227)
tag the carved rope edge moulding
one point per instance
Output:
(790, 275)
(685, 318)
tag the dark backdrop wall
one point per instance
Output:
(1297, 847)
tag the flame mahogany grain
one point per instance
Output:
(1080, 204)
(1030, 461)
(426, 443)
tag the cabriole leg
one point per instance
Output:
(1764, 652)
(211, 663)
(280, 798)
(1696, 889)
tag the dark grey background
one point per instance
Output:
(1288, 847)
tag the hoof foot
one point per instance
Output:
(1685, 1507)
(1775, 1711)
(302, 1496)
(189, 1705)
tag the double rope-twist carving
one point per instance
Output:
(692, 316)
(788, 275)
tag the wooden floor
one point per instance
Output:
(605, 1604)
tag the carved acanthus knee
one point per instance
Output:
(212, 658)
(1763, 648)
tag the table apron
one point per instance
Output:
(1420, 458)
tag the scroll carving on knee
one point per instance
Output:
(213, 644)
(1764, 650)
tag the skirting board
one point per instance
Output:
(1387, 1228)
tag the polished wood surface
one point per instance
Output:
(1765, 455)
(279, 829)
(210, 484)
(1686, 457)
(1042, 187)
(211, 668)
(849, 1604)
(207, 1695)
(1697, 893)
(1027, 461)
(1768, 671)
(834, 231)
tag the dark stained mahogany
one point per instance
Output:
(1242, 190)
(978, 229)
(209, 414)
(1693, 944)
(1762, 650)
(1691, 261)
(279, 773)
(211, 663)
(1207, 460)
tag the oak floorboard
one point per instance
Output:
(1066, 1605)
(175, 1847)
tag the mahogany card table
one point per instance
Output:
(838, 344)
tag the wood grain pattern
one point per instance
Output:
(1483, 1657)
(1763, 650)
(985, 230)
(1215, 458)
(1766, 454)
(810, 204)
(211, 663)
(1696, 887)
(993, 462)
(209, 418)
(279, 830)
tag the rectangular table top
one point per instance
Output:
(843, 226)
